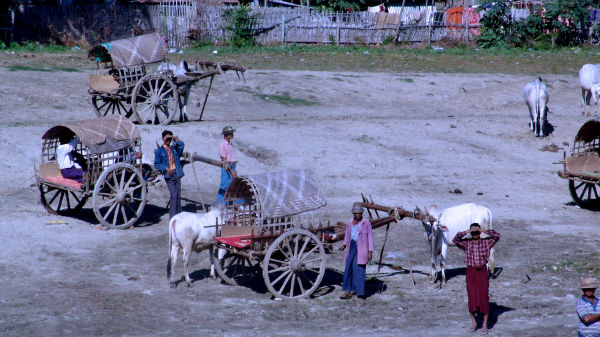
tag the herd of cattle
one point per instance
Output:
(536, 97)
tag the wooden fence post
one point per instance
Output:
(338, 35)
(282, 31)
(466, 16)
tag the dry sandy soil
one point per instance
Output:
(406, 139)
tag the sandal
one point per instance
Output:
(346, 296)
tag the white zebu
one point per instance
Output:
(448, 222)
(589, 78)
(184, 87)
(536, 97)
(191, 231)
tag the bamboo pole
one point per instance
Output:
(412, 277)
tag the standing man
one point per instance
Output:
(358, 244)
(166, 160)
(588, 310)
(477, 252)
(227, 155)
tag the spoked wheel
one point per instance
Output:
(234, 269)
(119, 196)
(59, 201)
(294, 265)
(155, 100)
(106, 106)
(584, 194)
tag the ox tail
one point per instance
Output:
(171, 234)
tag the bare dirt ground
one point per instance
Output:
(406, 139)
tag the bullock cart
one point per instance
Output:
(113, 172)
(275, 225)
(124, 85)
(582, 167)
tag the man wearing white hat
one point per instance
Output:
(588, 309)
(358, 246)
(227, 155)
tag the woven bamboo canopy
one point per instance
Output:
(280, 194)
(104, 134)
(134, 51)
(589, 131)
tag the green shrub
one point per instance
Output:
(537, 31)
(242, 23)
(388, 39)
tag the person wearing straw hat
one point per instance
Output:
(477, 242)
(588, 309)
(227, 155)
(358, 246)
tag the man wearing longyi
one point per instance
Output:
(477, 242)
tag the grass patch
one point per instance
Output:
(407, 80)
(28, 68)
(346, 75)
(283, 98)
(22, 67)
(402, 59)
(67, 69)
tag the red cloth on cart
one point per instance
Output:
(64, 181)
(241, 241)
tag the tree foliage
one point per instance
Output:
(337, 5)
(242, 24)
(557, 23)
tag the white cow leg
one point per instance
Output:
(443, 272)
(491, 266)
(212, 262)
(433, 275)
(173, 262)
(186, 262)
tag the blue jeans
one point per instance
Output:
(226, 178)
(174, 185)
(354, 274)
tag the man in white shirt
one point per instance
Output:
(69, 168)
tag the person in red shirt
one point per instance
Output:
(477, 251)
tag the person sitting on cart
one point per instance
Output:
(227, 155)
(358, 244)
(166, 160)
(67, 158)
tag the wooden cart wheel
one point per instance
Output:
(119, 196)
(105, 106)
(294, 264)
(234, 269)
(155, 100)
(584, 194)
(59, 201)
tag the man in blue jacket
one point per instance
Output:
(166, 160)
